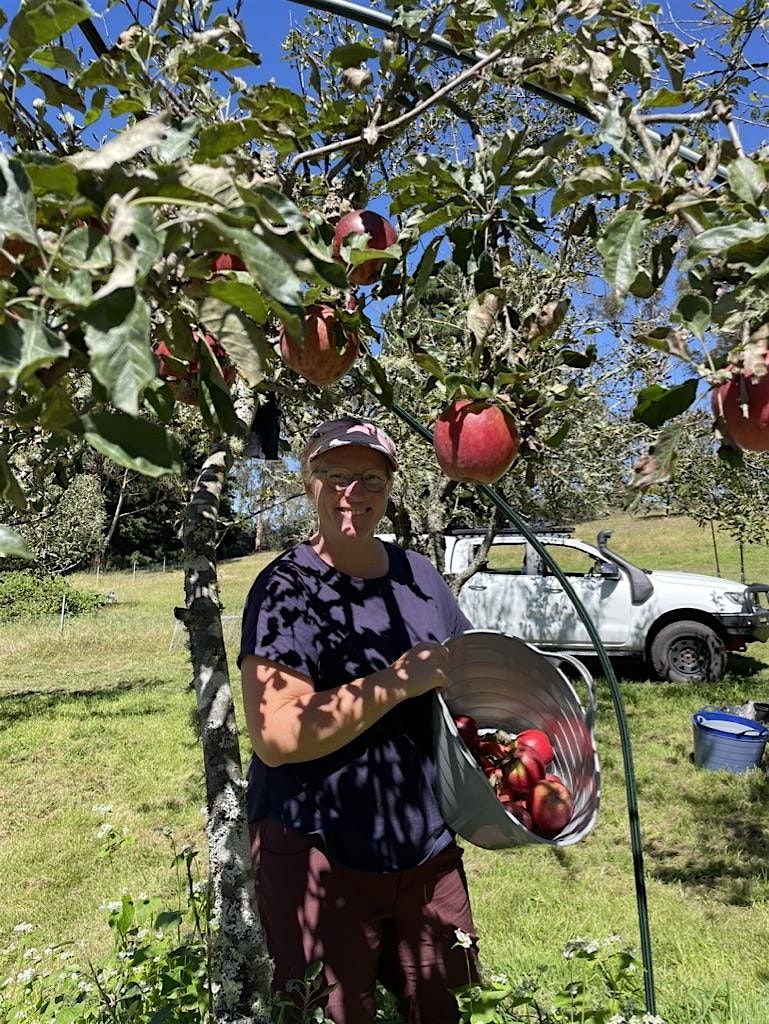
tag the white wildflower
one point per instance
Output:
(102, 808)
(111, 905)
(23, 977)
(652, 1018)
(25, 927)
(104, 830)
(66, 954)
(31, 953)
(463, 939)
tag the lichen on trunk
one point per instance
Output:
(242, 969)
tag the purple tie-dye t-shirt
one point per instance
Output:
(371, 805)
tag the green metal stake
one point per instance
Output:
(627, 756)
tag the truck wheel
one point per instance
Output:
(688, 652)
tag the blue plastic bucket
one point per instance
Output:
(727, 742)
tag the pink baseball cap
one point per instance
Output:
(349, 430)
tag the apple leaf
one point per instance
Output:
(12, 545)
(57, 58)
(86, 248)
(656, 466)
(26, 345)
(225, 136)
(747, 179)
(117, 331)
(348, 54)
(239, 294)
(695, 311)
(483, 313)
(591, 181)
(425, 268)
(48, 173)
(717, 241)
(124, 146)
(619, 246)
(37, 22)
(132, 442)
(57, 94)
(17, 203)
(10, 488)
(242, 339)
(656, 404)
(136, 245)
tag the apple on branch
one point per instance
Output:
(475, 441)
(742, 403)
(184, 379)
(328, 350)
(224, 261)
(381, 235)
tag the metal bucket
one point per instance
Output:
(728, 742)
(508, 684)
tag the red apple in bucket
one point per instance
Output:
(551, 807)
(523, 770)
(538, 741)
(748, 427)
(468, 731)
(381, 235)
(475, 441)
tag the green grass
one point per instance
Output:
(100, 715)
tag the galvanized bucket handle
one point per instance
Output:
(587, 679)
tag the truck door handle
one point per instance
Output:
(476, 586)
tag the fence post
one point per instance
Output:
(134, 576)
(61, 617)
(164, 563)
(98, 572)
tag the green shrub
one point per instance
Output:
(29, 595)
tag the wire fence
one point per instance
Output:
(230, 629)
(167, 565)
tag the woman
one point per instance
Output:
(342, 645)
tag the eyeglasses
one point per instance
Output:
(340, 479)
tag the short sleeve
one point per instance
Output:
(275, 624)
(455, 620)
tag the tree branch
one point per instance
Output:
(371, 134)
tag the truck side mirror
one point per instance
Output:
(608, 570)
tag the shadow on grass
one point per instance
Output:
(25, 704)
(728, 855)
(741, 666)
(724, 852)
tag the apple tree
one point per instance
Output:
(168, 217)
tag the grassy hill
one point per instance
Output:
(97, 716)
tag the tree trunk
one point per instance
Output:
(101, 556)
(241, 965)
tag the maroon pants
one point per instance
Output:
(397, 928)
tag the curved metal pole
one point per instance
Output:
(376, 19)
(627, 755)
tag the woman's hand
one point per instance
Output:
(424, 667)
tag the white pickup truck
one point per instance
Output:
(681, 623)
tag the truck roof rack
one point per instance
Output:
(550, 531)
